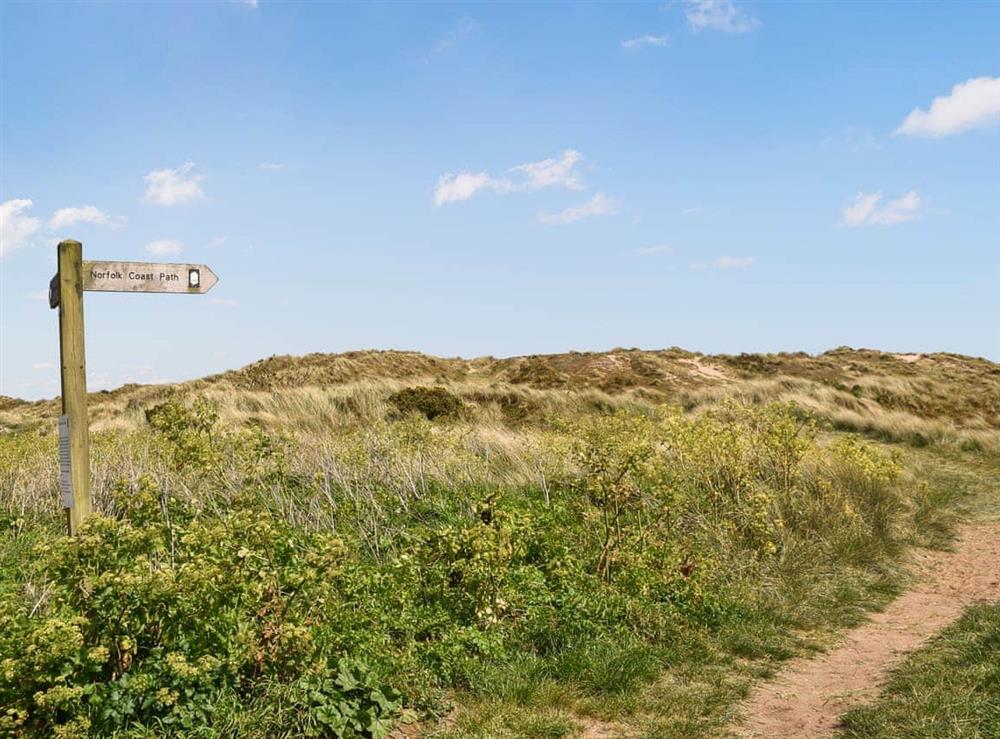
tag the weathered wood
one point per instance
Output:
(66, 293)
(148, 277)
(74, 378)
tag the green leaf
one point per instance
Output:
(346, 678)
(379, 727)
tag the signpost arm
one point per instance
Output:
(74, 377)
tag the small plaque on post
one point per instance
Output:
(65, 465)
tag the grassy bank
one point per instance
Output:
(949, 689)
(285, 560)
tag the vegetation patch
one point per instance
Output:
(162, 619)
(949, 689)
(429, 402)
(515, 407)
(277, 586)
(548, 559)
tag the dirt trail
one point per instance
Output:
(808, 696)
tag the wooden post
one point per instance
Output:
(74, 378)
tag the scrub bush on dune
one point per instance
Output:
(430, 402)
(250, 584)
(148, 623)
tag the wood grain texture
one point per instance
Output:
(74, 378)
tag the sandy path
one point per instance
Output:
(808, 696)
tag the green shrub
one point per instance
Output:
(430, 402)
(621, 479)
(189, 431)
(155, 624)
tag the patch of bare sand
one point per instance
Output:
(706, 370)
(807, 698)
(593, 728)
(910, 358)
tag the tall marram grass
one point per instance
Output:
(857, 412)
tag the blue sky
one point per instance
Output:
(500, 178)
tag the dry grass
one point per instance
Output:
(918, 399)
(941, 400)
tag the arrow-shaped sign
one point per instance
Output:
(148, 277)
(66, 295)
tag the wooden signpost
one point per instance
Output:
(66, 293)
(146, 277)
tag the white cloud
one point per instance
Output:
(452, 188)
(273, 166)
(718, 15)
(549, 172)
(225, 302)
(15, 226)
(173, 186)
(82, 214)
(865, 210)
(217, 242)
(972, 104)
(598, 205)
(39, 295)
(732, 262)
(656, 249)
(42, 365)
(164, 247)
(648, 40)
